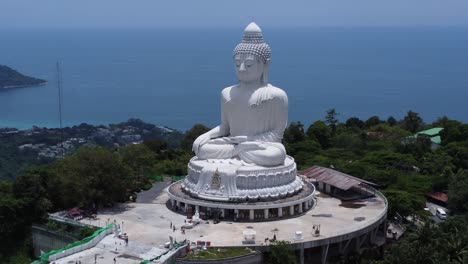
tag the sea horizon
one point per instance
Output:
(173, 77)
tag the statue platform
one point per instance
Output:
(232, 180)
(244, 211)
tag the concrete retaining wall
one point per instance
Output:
(46, 240)
(81, 247)
(247, 259)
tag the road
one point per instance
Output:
(151, 194)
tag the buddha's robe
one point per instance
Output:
(259, 116)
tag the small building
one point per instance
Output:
(75, 213)
(375, 134)
(432, 134)
(438, 198)
(338, 184)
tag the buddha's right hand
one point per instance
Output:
(200, 141)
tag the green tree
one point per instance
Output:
(303, 151)
(373, 121)
(37, 187)
(412, 122)
(192, 134)
(458, 192)
(170, 167)
(331, 119)
(403, 202)
(94, 177)
(453, 130)
(294, 133)
(12, 218)
(354, 122)
(387, 159)
(320, 132)
(157, 146)
(351, 142)
(391, 121)
(443, 243)
(280, 253)
(459, 153)
(139, 159)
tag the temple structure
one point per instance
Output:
(242, 164)
(242, 173)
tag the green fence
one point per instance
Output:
(177, 178)
(158, 178)
(44, 258)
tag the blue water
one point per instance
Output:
(174, 77)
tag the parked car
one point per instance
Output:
(441, 213)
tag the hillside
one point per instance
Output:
(21, 149)
(10, 78)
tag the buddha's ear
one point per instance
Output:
(266, 65)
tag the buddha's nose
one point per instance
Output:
(242, 67)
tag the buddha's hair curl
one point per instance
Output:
(253, 43)
(259, 50)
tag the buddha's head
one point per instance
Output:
(252, 56)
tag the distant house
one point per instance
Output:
(433, 134)
(338, 184)
(439, 198)
(75, 213)
(375, 134)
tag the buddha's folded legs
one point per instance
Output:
(259, 153)
(266, 154)
(216, 151)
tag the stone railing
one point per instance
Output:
(356, 230)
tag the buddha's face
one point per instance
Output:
(248, 68)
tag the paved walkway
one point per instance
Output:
(110, 248)
(151, 194)
(148, 226)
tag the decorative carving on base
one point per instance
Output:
(222, 180)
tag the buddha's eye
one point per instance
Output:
(238, 63)
(249, 62)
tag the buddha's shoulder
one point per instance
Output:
(226, 92)
(268, 93)
(275, 91)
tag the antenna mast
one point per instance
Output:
(60, 98)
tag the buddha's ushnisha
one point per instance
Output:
(253, 113)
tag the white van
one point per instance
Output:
(441, 213)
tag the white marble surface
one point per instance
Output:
(240, 181)
(254, 115)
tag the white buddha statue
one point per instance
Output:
(253, 113)
(243, 158)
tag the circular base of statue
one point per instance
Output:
(232, 180)
(251, 210)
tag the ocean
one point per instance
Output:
(173, 77)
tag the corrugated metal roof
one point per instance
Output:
(436, 139)
(431, 132)
(440, 196)
(332, 177)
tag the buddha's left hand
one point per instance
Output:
(229, 140)
(238, 139)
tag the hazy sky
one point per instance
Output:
(222, 13)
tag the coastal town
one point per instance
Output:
(134, 131)
(40, 145)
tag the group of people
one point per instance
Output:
(173, 227)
